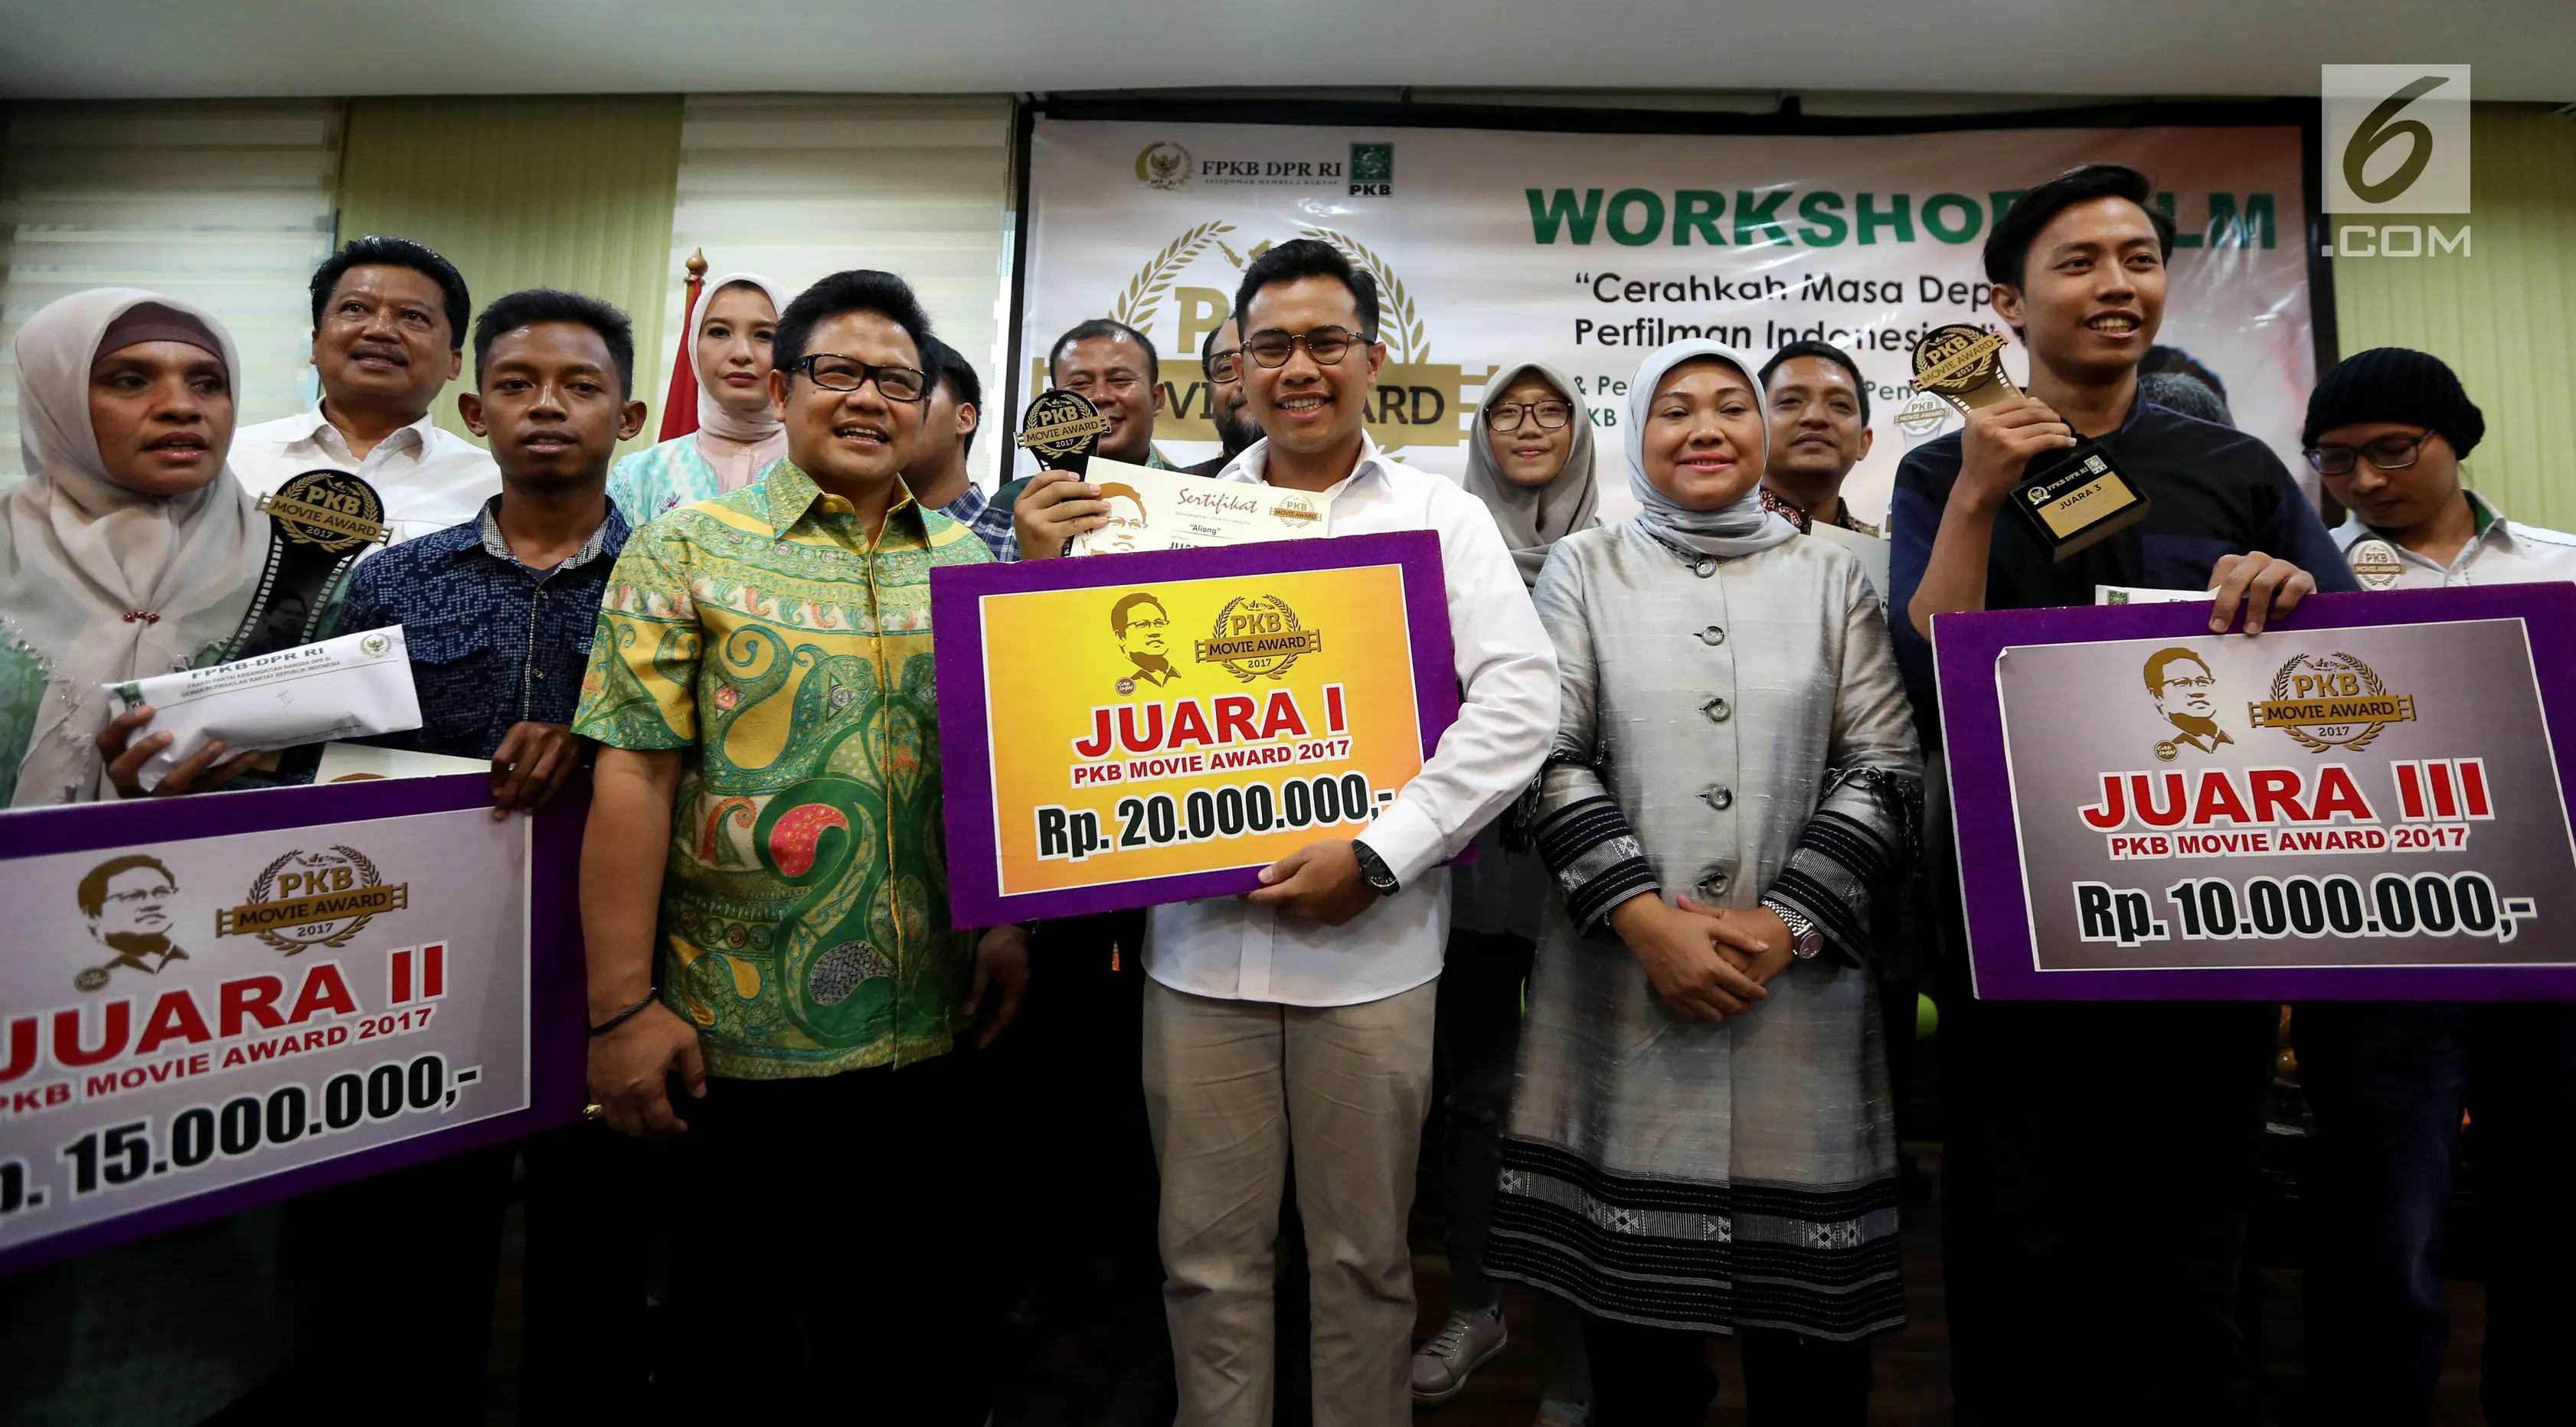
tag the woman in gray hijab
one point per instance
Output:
(1701, 1137)
(1530, 462)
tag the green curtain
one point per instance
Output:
(2504, 316)
(567, 191)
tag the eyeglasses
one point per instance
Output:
(1550, 415)
(834, 372)
(1224, 366)
(2388, 453)
(1325, 344)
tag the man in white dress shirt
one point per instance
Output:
(1296, 1020)
(389, 321)
(2388, 1080)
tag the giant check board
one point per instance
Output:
(1125, 730)
(214, 1002)
(2366, 801)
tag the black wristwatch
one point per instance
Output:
(1373, 869)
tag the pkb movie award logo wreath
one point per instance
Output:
(1418, 402)
(1257, 636)
(319, 898)
(2330, 701)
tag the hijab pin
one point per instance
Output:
(145, 615)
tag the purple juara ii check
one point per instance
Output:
(555, 1005)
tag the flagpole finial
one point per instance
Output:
(679, 408)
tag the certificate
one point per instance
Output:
(1172, 510)
(1136, 729)
(2363, 802)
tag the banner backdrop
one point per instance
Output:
(1587, 250)
(1125, 730)
(211, 1003)
(2363, 802)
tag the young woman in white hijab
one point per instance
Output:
(1701, 1136)
(130, 549)
(738, 436)
(1530, 461)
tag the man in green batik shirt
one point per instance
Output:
(764, 847)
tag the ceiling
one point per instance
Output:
(2522, 49)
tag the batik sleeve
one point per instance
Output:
(640, 691)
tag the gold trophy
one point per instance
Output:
(2073, 499)
(1062, 428)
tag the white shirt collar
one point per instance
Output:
(2501, 535)
(317, 428)
(1253, 464)
(2499, 529)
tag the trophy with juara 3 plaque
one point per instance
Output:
(2071, 499)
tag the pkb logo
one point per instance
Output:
(1372, 170)
(2396, 143)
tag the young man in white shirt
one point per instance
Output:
(1296, 1020)
(2388, 1080)
(389, 319)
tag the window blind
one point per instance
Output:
(797, 186)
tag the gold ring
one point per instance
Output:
(592, 1112)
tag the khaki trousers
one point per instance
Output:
(1233, 1088)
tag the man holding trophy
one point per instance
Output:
(2103, 1157)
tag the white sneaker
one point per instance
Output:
(1465, 1343)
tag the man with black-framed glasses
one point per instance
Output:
(2388, 1080)
(1295, 1022)
(2386, 431)
(773, 977)
(1221, 358)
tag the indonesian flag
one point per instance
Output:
(680, 403)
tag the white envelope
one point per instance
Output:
(349, 687)
(1173, 510)
(364, 762)
(2132, 594)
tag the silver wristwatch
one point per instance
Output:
(1804, 940)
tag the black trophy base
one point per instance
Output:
(2079, 500)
